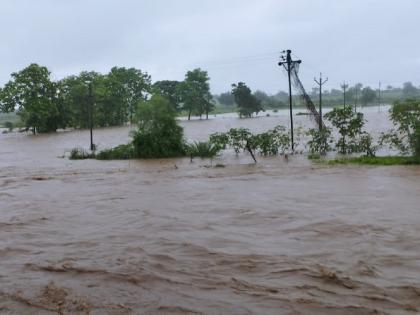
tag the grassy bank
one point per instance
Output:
(377, 160)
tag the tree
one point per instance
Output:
(195, 93)
(33, 95)
(126, 88)
(74, 95)
(158, 134)
(367, 95)
(226, 99)
(247, 102)
(349, 125)
(409, 90)
(171, 91)
(405, 116)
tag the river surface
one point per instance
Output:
(283, 236)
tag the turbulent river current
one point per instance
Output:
(283, 236)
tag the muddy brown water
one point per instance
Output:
(174, 237)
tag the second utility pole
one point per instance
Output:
(288, 63)
(320, 83)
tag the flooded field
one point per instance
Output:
(283, 236)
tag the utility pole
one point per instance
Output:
(344, 87)
(288, 63)
(379, 98)
(320, 83)
(92, 147)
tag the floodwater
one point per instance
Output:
(283, 236)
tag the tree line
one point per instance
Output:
(354, 95)
(102, 100)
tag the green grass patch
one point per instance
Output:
(377, 160)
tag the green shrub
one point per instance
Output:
(158, 134)
(121, 152)
(320, 141)
(405, 116)
(202, 149)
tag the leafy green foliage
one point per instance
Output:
(405, 116)
(349, 124)
(171, 90)
(195, 93)
(205, 149)
(247, 103)
(33, 95)
(158, 134)
(320, 141)
(272, 142)
(121, 152)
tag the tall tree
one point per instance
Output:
(74, 95)
(169, 90)
(246, 101)
(195, 93)
(367, 95)
(32, 94)
(127, 87)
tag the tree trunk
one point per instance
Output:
(189, 114)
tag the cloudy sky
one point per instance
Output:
(234, 40)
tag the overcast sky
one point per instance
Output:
(234, 40)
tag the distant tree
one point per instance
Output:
(409, 90)
(195, 93)
(226, 99)
(261, 96)
(171, 91)
(74, 95)
(281, 96)
(32, 94)
(126, 87)
(367, 95)
(247, 102)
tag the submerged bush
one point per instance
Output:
(352, 138)
(121, 152)
(158, 134)
(202, 149)
(320, 141)
(81, 154)
(405, 116)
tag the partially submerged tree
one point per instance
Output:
(195, 93)
(158, 134)
(352, 137)
(247, 103)
(32, 94)
(405, 116)
(171, 90)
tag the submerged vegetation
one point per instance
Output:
(377, 160)
(158, 135)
